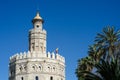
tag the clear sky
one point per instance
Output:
(71, 26)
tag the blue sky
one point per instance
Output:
(71, 26)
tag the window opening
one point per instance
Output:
(51, 78)
(36, 78)
(22, 78)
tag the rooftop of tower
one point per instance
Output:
(37, 17)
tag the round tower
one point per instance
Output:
(37, 36)
(37, 64)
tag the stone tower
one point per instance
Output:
(37, 36)
(37, 64)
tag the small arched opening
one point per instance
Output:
(51, 78)
(22, 78)
(36, 78)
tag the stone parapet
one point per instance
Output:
(36, 54)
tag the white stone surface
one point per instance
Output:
(37, 62)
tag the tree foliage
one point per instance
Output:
(105, 71)
(106, 47)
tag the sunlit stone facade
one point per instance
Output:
(37, 63)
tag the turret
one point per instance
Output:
(37, 36)
(37, 21)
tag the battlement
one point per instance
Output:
(34, 54)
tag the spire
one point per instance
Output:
(37, 17)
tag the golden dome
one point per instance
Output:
(38, 16)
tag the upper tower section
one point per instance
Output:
(37, 21)
(37, 35)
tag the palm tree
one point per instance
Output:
(117, 51)
(106, 47)
(95, 52)
(107, 41)
(84, 64)
(105, 71)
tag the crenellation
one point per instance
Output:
(48, 55)
(24, 55)
(27, 55)
(57, 56)
(21, 55)
(17, 56)
(53, 55)
(13, 58)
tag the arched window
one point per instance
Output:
(49, 68)
(51, 78)
(40, 68)
(33, 67)
(53, 68)
(36, 78)
(22, 78)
